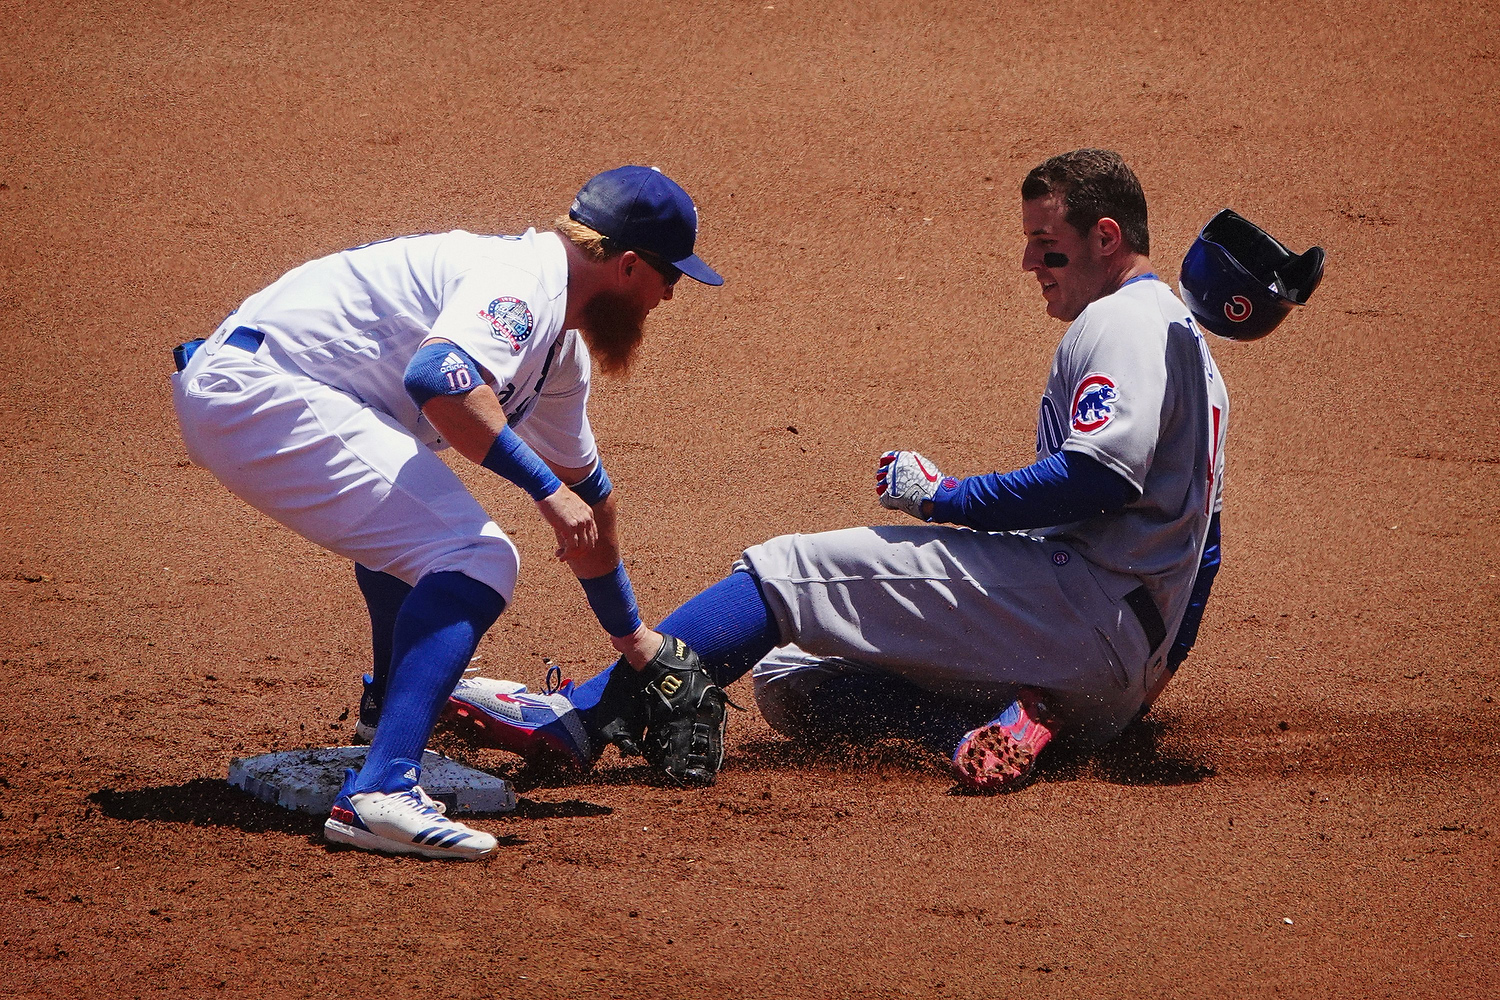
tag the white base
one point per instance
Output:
(309, 780)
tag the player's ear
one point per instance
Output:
(628, 263)
(1108, 235)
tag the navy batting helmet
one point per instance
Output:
(1239, 282)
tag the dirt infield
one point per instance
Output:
(1312, 811)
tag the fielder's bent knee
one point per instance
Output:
(490, 559)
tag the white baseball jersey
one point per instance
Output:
(314, 426)
(354, 319)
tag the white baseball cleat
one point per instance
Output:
(545, 729)
(469, 686)
(402, 819)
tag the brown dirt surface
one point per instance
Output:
(1312, 811)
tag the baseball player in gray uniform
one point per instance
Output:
(323, 400)
(1032, 604)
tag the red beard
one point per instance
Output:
(613, 327)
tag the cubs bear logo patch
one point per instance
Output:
(1094, 402)
(509, 319)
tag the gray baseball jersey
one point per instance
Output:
(1133, 386)
(976, 614)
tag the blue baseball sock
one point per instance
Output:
(383, 596)
(728, 625)
(437, 631)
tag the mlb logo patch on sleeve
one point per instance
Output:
(509, 319)
(1094, 402)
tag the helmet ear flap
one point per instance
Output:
(1239, 282)
(1300, 276)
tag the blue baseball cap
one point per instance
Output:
(643, 209)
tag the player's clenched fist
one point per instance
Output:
(904, 480)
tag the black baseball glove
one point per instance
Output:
(669, 711)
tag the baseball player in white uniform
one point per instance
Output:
(1033, 603)
(323, 400)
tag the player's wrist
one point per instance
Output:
(944, 505)
(639, 647)
(594, 488)
(553, 497)
(511, 458)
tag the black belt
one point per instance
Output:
(1144, 607)
(243, 337)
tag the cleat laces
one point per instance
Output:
(425, 803)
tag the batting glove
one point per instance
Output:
(904, 479)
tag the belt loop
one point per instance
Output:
(183, 353)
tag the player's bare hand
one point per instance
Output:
(572, 522)
(638, 647)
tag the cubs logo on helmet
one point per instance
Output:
(1238, 309)
(1094, 402)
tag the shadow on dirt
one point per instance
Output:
(204, 802)
(1141, 755)
(1137, 756)
(777, 753)
(215, 802)
(566, 809)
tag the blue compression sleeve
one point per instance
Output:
(595, 487)
(1208, 568)
(440, 370)
(513, 458)
(613, 601)
(1060, 489)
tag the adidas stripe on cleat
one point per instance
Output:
(1000, 756)
(401, 819)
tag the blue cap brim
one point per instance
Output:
(694, 268)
